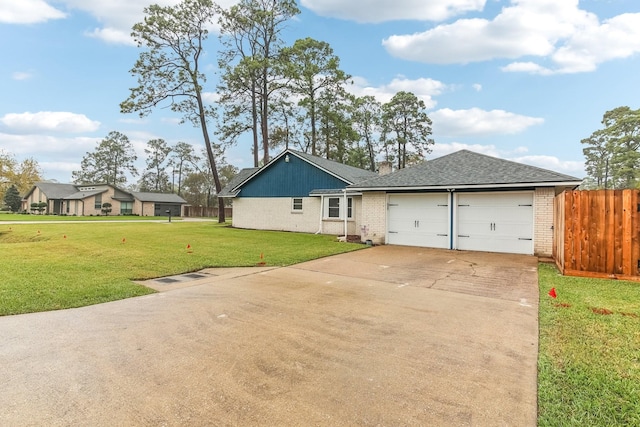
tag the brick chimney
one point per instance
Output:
(384, 168)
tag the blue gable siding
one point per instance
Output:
(294, 179)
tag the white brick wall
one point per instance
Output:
(274, 213)
(543, 221)
(374, 217)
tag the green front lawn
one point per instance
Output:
(62, 265)
(589, 357)
(6, 216)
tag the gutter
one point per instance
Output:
(469, 186)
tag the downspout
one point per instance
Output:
(321, 212)
(346, 211)
(451, 227)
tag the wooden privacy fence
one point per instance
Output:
(596, 233)
(205, 212)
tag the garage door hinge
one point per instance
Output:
(464, 205)
(524, 238)
(526, 205)
(463, 235)
(392, 204)
(444, 206)
(393, 232)
(441, 234)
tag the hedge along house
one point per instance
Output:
(298, 192)
(88, 199)
(465, 201)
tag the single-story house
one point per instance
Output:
(464, 200)
(87, 199)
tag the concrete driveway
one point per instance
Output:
(384, 336)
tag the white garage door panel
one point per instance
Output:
(495, 222)
(419, 220)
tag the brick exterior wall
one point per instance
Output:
(543, 221)
(274, 213)
(374, 217)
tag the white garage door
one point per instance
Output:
(419, 220)
(495, 222)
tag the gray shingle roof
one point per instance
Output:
(83, 194)
(466, 168)
(346, 172)
(158, 197)
(349, 174)
(227, 191)
(54, 190)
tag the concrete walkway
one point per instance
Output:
(383, 336)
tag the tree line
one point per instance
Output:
(612, 155)
(16, 178)
(283, 96)
(168, 168)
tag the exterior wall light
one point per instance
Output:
(286, 158)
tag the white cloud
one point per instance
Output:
(49, 121)
(27, 12)
(478, 122)
(112, 36)
(62, 154)
(425, 89)
(210, 97)
(554, 30)
(21, 75)
(477, 87)
(384, 10)
(439, 150)
(118, 16)
(570, 167)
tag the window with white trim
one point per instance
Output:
(296, 204)
(333, 207)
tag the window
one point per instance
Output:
(98, 203)
(126, 208)
(333, 207)
(296, 204)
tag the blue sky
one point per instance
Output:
(524, 80)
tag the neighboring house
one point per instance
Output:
(464, 200)
(297, 192)
(87, 199)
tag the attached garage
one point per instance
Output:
(166, 209)
(495, 222)
(466, 201)
(419, 220)
(487, 221)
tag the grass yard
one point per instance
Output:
(589, 360)
(63, 265)
(5, 216)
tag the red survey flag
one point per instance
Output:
(552, 293)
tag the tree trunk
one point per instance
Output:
(207, 143)
(265, 117)
(254, 121)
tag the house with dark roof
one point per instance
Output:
(464, 201)
(88, 199)
(299, 192)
